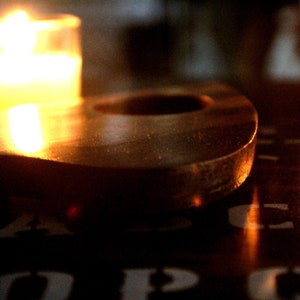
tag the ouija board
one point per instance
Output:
(243, 244)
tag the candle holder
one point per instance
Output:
(40, 59)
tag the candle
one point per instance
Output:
(40, 60)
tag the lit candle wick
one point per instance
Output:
(17, 35)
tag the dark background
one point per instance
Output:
(129, 44)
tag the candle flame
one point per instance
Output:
(17, 34)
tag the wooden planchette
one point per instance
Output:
(144, 152)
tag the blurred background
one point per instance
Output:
(131, 44)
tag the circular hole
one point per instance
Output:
(155, 104)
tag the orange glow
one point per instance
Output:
(197, 201)
(252, 232)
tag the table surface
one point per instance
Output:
(244, 246)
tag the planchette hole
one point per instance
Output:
(157, 104)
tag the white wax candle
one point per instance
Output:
(39, 79)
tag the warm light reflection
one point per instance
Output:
(252, 232)
(197, 201)
(25, 128)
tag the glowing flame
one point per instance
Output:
(17, 35)
(17, 41)
(25, 128)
